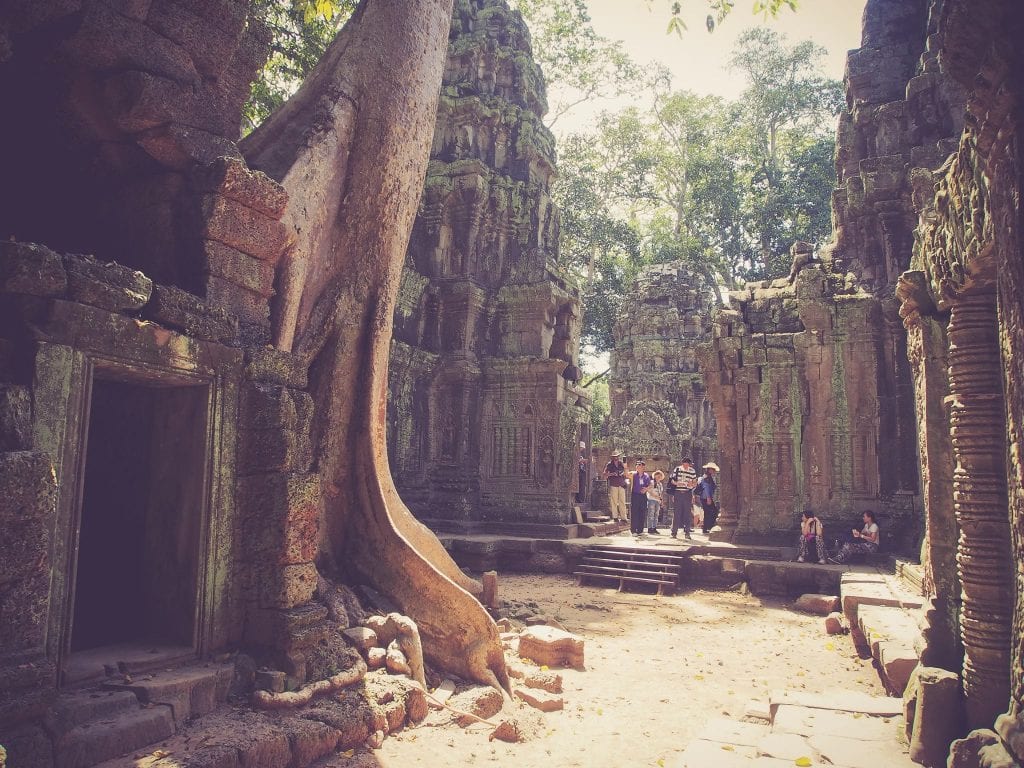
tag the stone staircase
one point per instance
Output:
(843, 729)
(631, 565)
(94, 724)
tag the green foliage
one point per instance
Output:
(719, 10)
(579, 65)
(601, 405)
(300, 30)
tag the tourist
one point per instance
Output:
(705, 494)
(812, 537)
(865, 541)
(615, 474)
(655, 494)
(641, 481)
(682, 481)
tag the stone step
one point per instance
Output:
(840, 701)
(863, 589)
(80, 707)
(102, 739)
(879, 624)
(189, 691)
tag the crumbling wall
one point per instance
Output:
(484, 419)
(659, 405)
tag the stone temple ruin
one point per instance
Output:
(659, 404)
(192, 418)
(484, 419)
(885, 372)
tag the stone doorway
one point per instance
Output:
(141, 517)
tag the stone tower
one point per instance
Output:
(484, 418)
(659, 407)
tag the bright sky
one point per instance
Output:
(699, 60)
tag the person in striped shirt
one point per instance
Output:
(683, 480)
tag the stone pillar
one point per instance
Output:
(984, 563)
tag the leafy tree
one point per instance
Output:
(579, 64)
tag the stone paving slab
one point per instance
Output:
(806, 721)
(785, 746)
(735, 732)
(844, 752)
(841, 701)
(705, 754)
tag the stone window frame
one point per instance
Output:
(60, 422)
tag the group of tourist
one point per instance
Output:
(863, 541)
(691, 500)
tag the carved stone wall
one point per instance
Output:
(484, 419)
(659, 405)
(809, 375)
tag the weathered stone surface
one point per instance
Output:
(551, 647)
(933, 712)
(32, 269)
(395, 660)
(178, 309)
(375, 657)
(659, 407)
(835, 624)
(548, 681)
(980, 749)
(107, 286)
(486, 329)
(362, 638)
(93, 743)
(479, 701)
(230, 177)
(820, 605)
(540, 699)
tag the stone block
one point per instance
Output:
(107, 286)
(273, 450)
(276, 367)
(250, 307)
(245, 229)
(281, 517)
(539, 699)
(309, 740)
(287, 586)
(362, 638)
(547, 681)
(15, 418)
(810, 721)
(93, 743)
(183, 311)
(936, 717)
(271, 680)
(835, 624)
(483, 702)
(897, 662)
(384, 626)
(239, 268)
(395, 660)
(230, 177)
(26, 746)
(283, 628)
(189, 692)
(980, 749)
(551, 647)
(31, 269)
(272, 406)
(819, 605)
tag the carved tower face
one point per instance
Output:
(483, 311)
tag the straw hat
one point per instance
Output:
(712, 465)
(616, 455)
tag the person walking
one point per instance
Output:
(655, 494)
(683, 480)
(706, 496)
(615, 474)
(812, 538)
(638, 498)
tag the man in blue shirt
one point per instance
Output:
(705, 494)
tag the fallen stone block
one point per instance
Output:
(385, 628)
(807, 721)
(835, 624)
(482, 701)
(551, 647)
(362, 638)
(820, 605)
(546, 681)
(934, 713)
(542, 700)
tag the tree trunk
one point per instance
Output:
(351, 147)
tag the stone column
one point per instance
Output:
(984, 563)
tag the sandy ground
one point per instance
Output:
(657, 669)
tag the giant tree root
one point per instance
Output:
(302, 697)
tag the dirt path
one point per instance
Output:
(657, 669)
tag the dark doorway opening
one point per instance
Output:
(144, 484)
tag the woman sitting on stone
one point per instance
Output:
(865, 541)
(812, 537)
